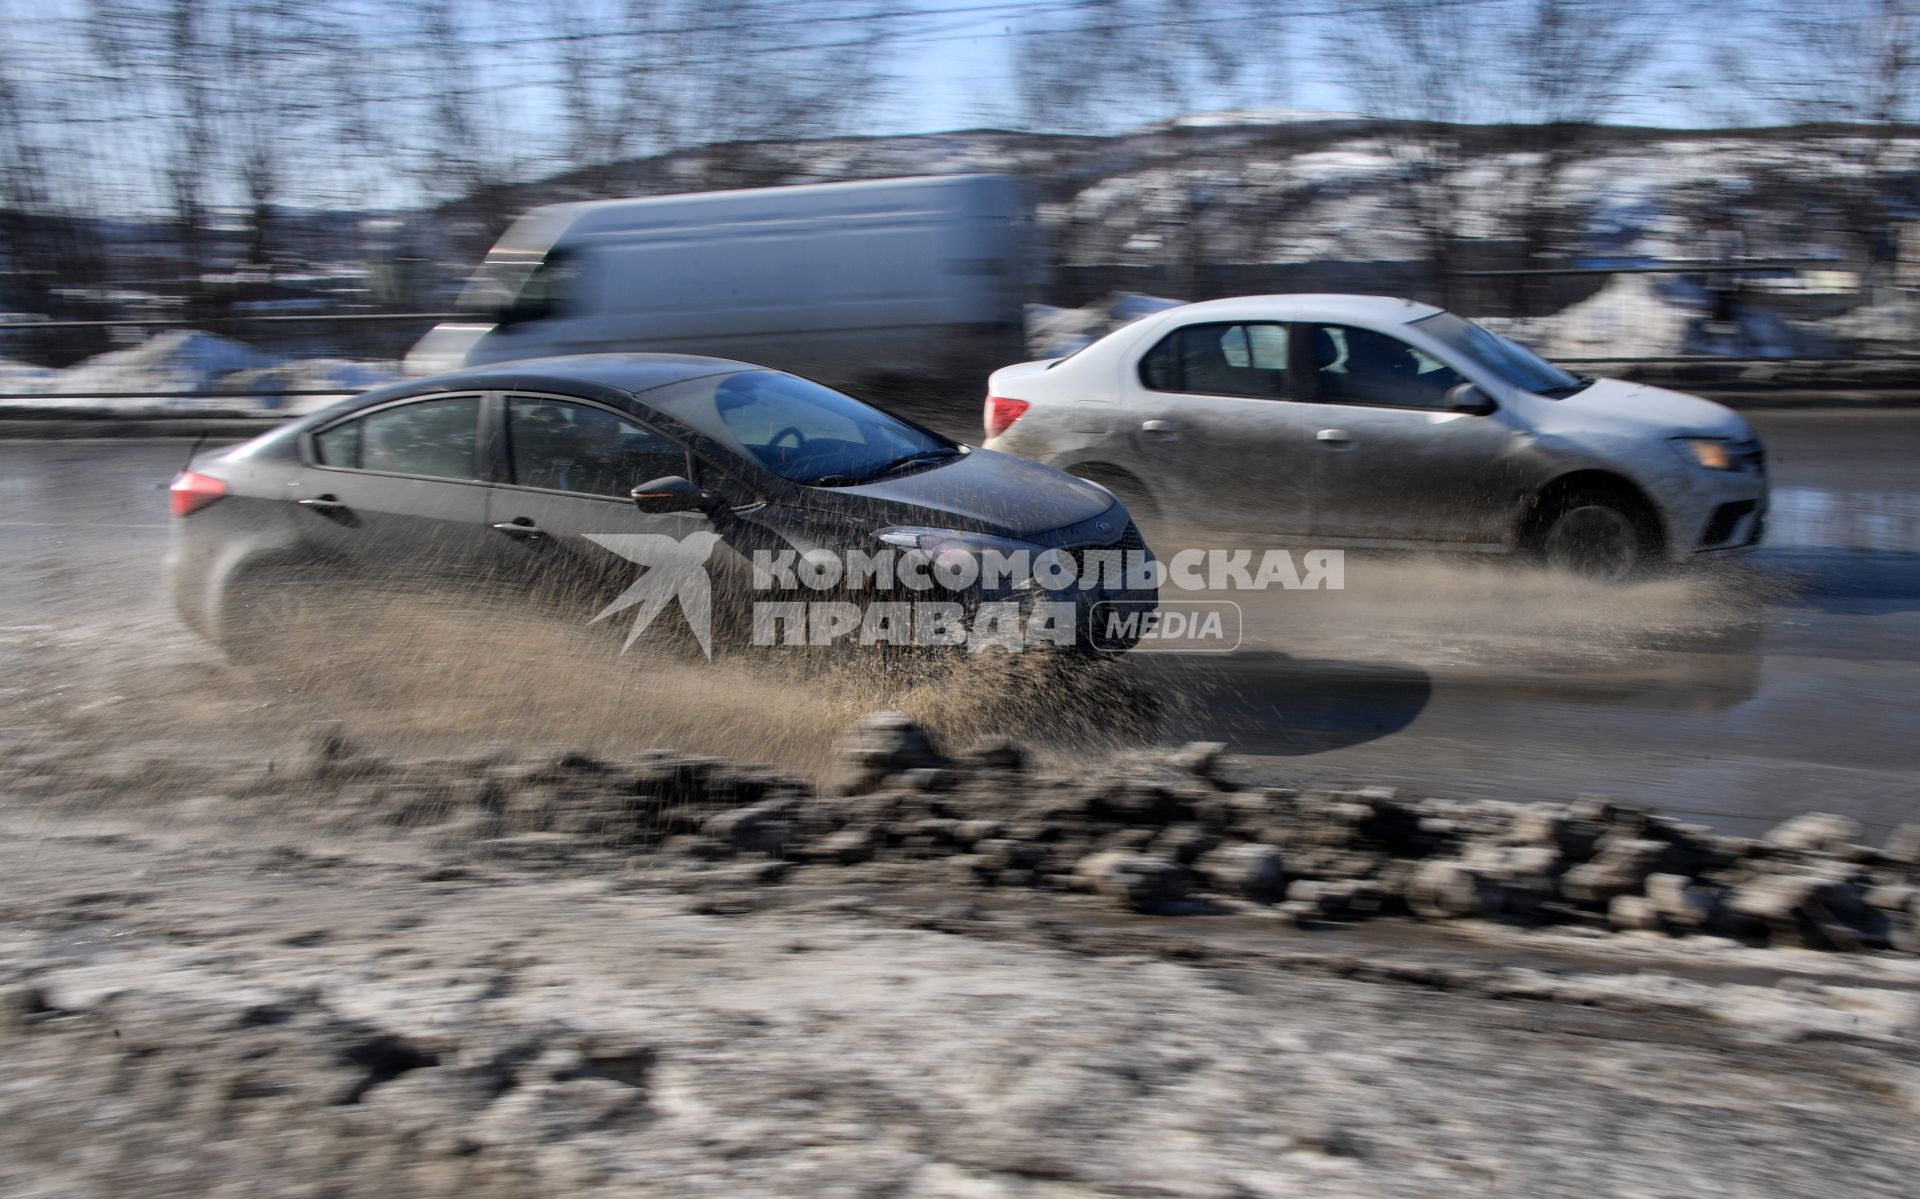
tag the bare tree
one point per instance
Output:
(53, 261)
(227, 117)
(1573, 63)
(1855, 69)
(1106, 64)
(751, 73)
(23, 174)
(1113, 62)
(164, 54)
(613, 104)
(1519, 83)
(1412, 63)
(464, 155)
(258, 42)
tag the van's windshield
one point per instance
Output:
(1509, 360)
(507, 287)
(802, 431)
(512, 261)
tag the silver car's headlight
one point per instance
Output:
(1710, 453)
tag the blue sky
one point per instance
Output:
(952, 74)
(951, 64)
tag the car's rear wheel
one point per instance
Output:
(261, 610)
(1596, 537)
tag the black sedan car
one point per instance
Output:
(569, 476)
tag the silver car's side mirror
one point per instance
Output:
(1468, 398)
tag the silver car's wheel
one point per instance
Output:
(1595, 540)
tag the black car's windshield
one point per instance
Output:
(1510, 360)
(799, 430)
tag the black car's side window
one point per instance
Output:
(430, 437)
(1243, 360)
(339, 446)
(732, 492)
(1361, 366)
(562, 446)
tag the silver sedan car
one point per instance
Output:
(1372, 422)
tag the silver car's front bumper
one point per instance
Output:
(1720, 511)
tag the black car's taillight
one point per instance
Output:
(191, 492)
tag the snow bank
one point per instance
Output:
(1628, 318)
(1057, 332)
(1656, 316)
(146, 378)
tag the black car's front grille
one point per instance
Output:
(1118, 552)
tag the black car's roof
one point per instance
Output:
(584, 374)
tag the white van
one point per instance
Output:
(854, 284)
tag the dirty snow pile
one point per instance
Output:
(548, 973)
(1056, 332)
(1165, 833)
(139, 379)
(1663, 316)
(1635, 316)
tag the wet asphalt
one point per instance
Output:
(1735, 695)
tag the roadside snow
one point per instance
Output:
(148, 377)
(1628, 318)
(1057, 332)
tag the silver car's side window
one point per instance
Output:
(1246, 360)
(1364, 366)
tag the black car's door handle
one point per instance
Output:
(326, 505)
(520, 530)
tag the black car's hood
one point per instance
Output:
(989, 491)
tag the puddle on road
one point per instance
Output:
(1814, 518)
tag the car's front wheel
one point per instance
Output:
(1596, 537)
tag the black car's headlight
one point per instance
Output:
(959, 560)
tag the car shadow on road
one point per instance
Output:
(1844, 582)
(1277, 704)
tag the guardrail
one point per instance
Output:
(1740, 382)
(156, 322)
(1689, 266)
(17, 396)
(362, 335)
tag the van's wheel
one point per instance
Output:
(1595, 536)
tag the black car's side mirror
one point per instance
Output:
(1468, 398)
(672, 494)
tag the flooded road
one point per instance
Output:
(1737, 695)
(1786, 680)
